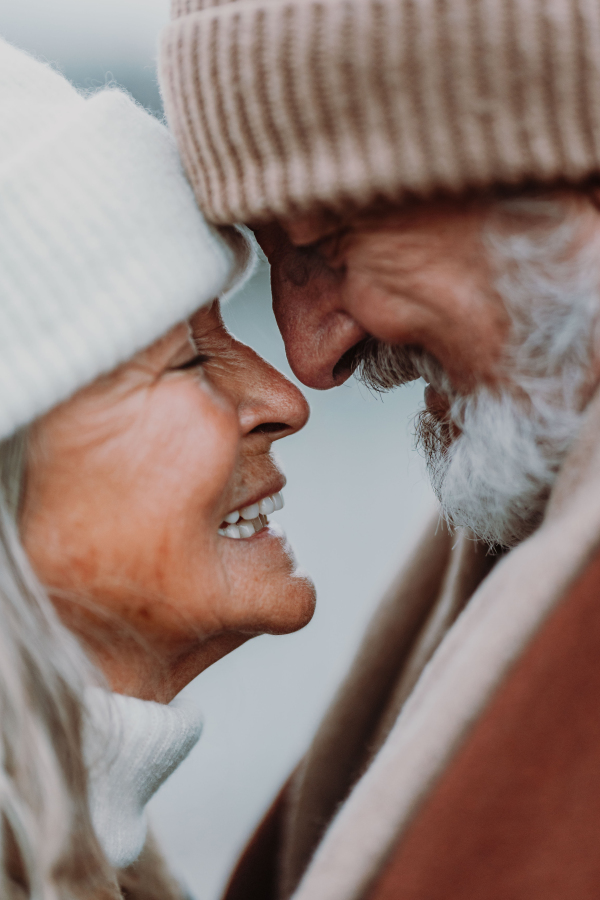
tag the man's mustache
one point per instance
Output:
(382, 366)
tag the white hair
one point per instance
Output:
(497, 475)
(48, 845)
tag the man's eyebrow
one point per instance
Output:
(331, 242)
(302, 264)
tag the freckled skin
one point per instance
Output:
(127, 484)
(417, 274)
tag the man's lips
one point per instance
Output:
(437, 404)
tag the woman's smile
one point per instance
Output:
(178, 442)
(251, 519)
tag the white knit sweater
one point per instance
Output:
(131, 746)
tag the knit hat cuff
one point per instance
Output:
(283, 105)
(103, 250)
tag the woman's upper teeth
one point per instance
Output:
(244, 522)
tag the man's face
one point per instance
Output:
(492, 303)
(415, 277)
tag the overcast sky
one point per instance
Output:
(71, 28)
(90, 40)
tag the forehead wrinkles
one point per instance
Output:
(208, 331)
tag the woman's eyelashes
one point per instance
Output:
(194, 363)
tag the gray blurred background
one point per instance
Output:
(355, 501)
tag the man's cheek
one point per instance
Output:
(377, 311)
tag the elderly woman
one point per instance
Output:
(136, 481)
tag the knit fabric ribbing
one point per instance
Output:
(131, 747)
(281, 106)
(103, 248)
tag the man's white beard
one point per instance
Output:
(495, 477)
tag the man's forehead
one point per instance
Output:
(311, 227)
(319, 224)
(301, 231)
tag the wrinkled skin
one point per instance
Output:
(412, 275)
(127, 485)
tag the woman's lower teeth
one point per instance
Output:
(251, 519)
(245, 528)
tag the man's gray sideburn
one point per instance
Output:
(496, 476)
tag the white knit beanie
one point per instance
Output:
(102, 247)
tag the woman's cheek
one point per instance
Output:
(211, 434)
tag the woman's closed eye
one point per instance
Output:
(194, 363)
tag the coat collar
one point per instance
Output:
(504, 614)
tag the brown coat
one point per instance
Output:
(461, 759)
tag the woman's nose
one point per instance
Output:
(271, 405)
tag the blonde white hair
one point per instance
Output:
(49, 850)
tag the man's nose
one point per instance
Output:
(318, 333)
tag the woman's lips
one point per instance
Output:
(248, 521)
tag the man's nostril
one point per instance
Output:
(348, 363)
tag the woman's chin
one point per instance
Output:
(295, 606)
(278, 596)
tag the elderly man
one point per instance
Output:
(421, 175)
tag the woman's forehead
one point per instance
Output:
(206, 320)
(206, 315)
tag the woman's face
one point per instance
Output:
(128, 486)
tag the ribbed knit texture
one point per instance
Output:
(102, 246)
(131, 747)
(280, 106)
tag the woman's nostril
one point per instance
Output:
(270, 428)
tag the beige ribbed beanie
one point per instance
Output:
(280, 106)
